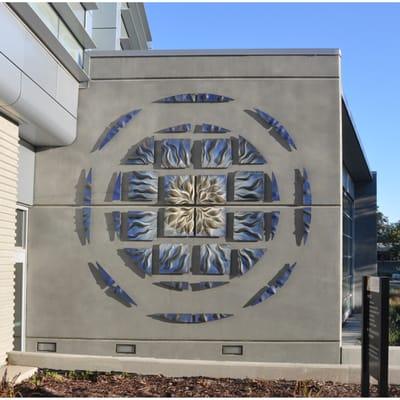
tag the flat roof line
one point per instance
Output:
(213, 52)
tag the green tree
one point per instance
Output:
(388, 235)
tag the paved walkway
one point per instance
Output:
(351, 332)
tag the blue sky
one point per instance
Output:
(367, 34)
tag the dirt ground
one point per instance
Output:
(47, 383)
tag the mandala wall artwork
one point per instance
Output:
(176, 188)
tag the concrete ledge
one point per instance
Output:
(352, 355)
(217, 369)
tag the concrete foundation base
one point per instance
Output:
(217, 369)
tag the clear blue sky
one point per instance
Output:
(367, 34)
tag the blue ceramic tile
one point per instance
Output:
(142, 153)
(216, 153)
(185, 318)
(175, 153)
(195, 98)
(215, 259)
(174, 259)
(142, 258)
(142, 225)
(248, 226)
(248, 154)
(248, 186)
(143, 186)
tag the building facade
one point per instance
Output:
(188, 204)
(42, 67)
(220, 207)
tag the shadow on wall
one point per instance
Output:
(269, 128)
(80, 186)
(109, 291)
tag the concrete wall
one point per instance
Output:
(67, 306)
(8, 199)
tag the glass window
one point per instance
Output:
(347, 264)
(79, 12)
(51, 19)
(47, 14)
(71, 44)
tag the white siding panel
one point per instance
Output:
(8, 198)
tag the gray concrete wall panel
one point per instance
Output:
(65, 302)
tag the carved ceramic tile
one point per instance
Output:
(248, 153)
(210, 222)
(174, 259)
(248, 186)
(175, 153)
(142, 225)
(179, 221)
(216, 153)
(215, 259)
(142, 186)
(211, 189)
(248, 226)
(179, 189)
(142, 153)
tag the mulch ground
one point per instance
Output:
(48, 383)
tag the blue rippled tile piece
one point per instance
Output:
(215, 259)
(247, 259)
(275, 189)
(216, 153)
(195, 98)
(307, 196)
(117, 126)
(209, 128)
(142, 258)
(116, 218)
(142, 153)
(248, 153)
(175, 153)
(177, 129)
(278, 127)
(273, 286)
(174, 259)
(117, 191)
(204, 285)
(306, 223)
(142, 225)
(143, 186)
(275, 215)
(186, 318)
(87, 190)
(107, 279)
(122, 295)
(248, 226)
(248, 186)
(173, 285)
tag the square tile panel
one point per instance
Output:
(142, 225)
(248, 226)
(215, 259)
(174, 259)
(179, 221)
(142, 186)
(248, 186)
(216, 153)
(175, 153)
(179, 189)
(210, 222)
(211, 189)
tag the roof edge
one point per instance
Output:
(213, 52)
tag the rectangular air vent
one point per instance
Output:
(50, 347)
(126, 349)
(235, 350)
